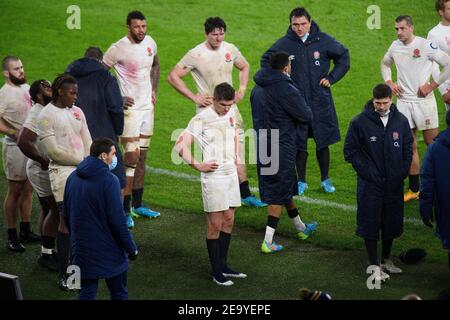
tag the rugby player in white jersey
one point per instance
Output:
(135, 60)
(65, 137)
(215, 129)
(37, 172)
(413, 57)
(15, 102)
(211, 63)
(440, 35)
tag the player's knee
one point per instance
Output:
(131, 158)
(144, 143)
(214, 227)
(228, 220)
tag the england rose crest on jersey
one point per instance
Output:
(228, 57)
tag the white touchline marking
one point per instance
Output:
(304, 199)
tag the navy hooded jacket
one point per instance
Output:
(99, 97)
(381, 158)
(277, 104)
(435, 186)
(94, 215)
(312, 61)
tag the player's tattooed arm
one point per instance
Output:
(244, 71)
(154, 78)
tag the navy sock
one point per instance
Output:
(293, 213)
(48, 242)
(245, 190)
(224, 241)
(213, 246)
(63, 246)
(12, 234)
(323, 157)
(25, 228)
(414, 183)
(137, 197)
(127, 204)
(300, 164)
(272, 221)
(371, 247)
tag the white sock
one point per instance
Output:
(45, 250)
(269, 234)
(299, 225)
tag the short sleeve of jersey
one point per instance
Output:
(388, 56)
(188, 61)
(110, 58)
(195, 127)
(31, 121)
(236, 54)
(2, 103)
(431, 49)
(155, 47)
(45, 126)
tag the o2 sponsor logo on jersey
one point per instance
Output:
(228, 57)
(416, 53)
(149, 51)
(433, 46)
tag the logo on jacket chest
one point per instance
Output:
(373, 139)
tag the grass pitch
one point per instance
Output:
(173, 262)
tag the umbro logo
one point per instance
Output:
(373, 139)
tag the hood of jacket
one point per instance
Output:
(369, 111)
(84, 67)
(91, 166)
(267, 76)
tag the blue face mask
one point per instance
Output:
(113, 164)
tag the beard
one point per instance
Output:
(136, 38)
(47, 100)
(17, 81)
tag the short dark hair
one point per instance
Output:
(94, 52)
(447, 116)
(408, 19)
(61, 81)
(214, 23)
(382, 91)
(100, 145)
(36, 88)
(279, 60)
(135, 15)
(440, 4)
(299, 12)
(6, 60)
(224, 92)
